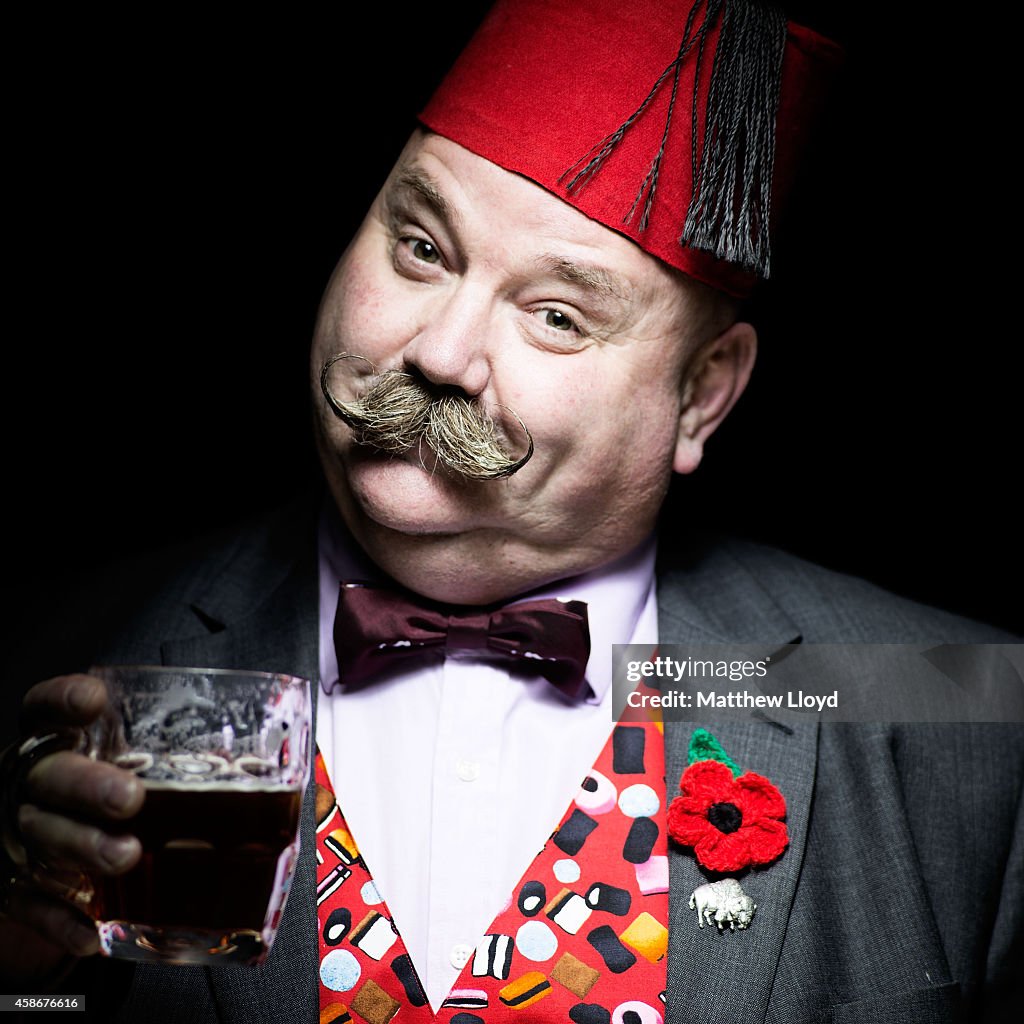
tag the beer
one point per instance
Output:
(210, 855)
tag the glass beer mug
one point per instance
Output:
(224, 759)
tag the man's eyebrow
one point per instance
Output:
(414, 179)
(604, 284)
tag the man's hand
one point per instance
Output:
(68, 813)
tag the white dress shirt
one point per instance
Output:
(453, 775)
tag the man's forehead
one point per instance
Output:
(410, 176)
(572, 248)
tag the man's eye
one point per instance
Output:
(558, 320)
(424, 251)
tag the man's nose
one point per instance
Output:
(450, 349)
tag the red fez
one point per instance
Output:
(676, 123)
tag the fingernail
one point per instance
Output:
(82, 939)
(117, 851)
(80, 697)
(118, 792)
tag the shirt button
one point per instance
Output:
(468, 771)
(460, 955)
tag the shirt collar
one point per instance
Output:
(619, 598)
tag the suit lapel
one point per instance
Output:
(728, 977)
(280, 634)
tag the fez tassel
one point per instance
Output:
(730, 203)
(730, 208)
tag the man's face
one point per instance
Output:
(478, 281)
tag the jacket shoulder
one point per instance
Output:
(221, 577)
(125, 610)
(825, 606)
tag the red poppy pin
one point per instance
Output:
(731, 819)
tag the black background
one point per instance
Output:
(183, 188)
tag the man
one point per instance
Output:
(602, 355)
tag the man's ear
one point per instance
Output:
(715, 379)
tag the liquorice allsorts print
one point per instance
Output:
(582, 940)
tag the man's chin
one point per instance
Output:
(402, 496)
(420, 534)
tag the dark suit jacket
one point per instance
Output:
(900, 898)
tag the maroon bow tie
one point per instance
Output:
(375, 628)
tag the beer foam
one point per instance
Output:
(239, 783)
(207, 771)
